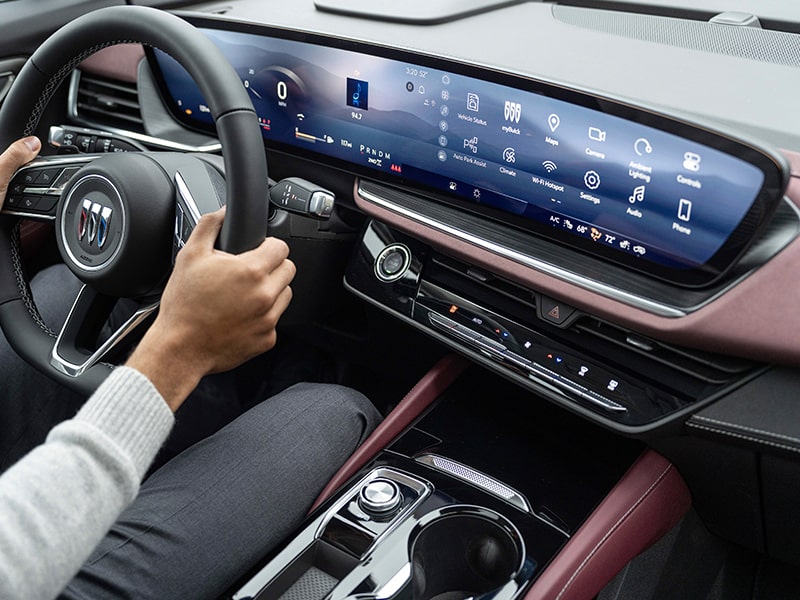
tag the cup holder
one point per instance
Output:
(464, 553)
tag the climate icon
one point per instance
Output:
(549, 166)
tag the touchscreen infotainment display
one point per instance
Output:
(643, 190)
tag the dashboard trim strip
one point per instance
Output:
(528, 261)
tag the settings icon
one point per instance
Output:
(592, 180)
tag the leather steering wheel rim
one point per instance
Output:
(237, 128)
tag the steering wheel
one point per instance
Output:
(116, 217)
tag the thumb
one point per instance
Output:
(207, 229)
(17, 154)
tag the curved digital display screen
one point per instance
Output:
(663, 197)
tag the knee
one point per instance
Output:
(330, 405)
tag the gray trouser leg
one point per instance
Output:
(31, 403)
(206, 517)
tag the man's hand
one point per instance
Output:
(217, 311)
(17, 154)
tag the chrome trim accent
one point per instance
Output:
(186, 196)
(422, 487)
(528, 261)
(102, 228)
(483, 481)
(75, 370)
(395, 584)
(72, 110)
(64, 219)
(83, 223)
(94, 217)
(29, 215)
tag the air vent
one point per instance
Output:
(107, 103)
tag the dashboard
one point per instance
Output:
(659, 195)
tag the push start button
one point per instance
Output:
(392, 262)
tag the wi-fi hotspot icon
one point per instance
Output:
(549, 166)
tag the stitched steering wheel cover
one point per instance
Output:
(237, 127)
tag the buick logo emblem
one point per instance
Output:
(93, 223)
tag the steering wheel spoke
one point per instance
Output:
(126, 251)
(77, 349)
(35, 189)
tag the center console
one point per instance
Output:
(482, 496)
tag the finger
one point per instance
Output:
(16, 155)
(270, 253)
(270, 319)
(207, 229)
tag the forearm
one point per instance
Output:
(58, 501)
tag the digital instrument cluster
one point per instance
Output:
(657, 194)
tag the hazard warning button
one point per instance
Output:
(555, 312)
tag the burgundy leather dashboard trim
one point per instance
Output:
(757, 319)
(427, 389)
(645, 504)
(115, 62)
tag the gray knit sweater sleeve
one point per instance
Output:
(58, 502)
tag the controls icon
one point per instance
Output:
(554, 121)
(642, 146)
(597, 134)
(685, 210)
(691, 161)
(473, 102)
(612, 385)
(510, 155)
(583, 371)
(592, 180)
(638, 195)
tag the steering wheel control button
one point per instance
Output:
(380, 497)
(392, 263)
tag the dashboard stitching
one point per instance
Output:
(742, 436)
(613, 529)
(745, 428)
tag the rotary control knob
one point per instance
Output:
(380, 497)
